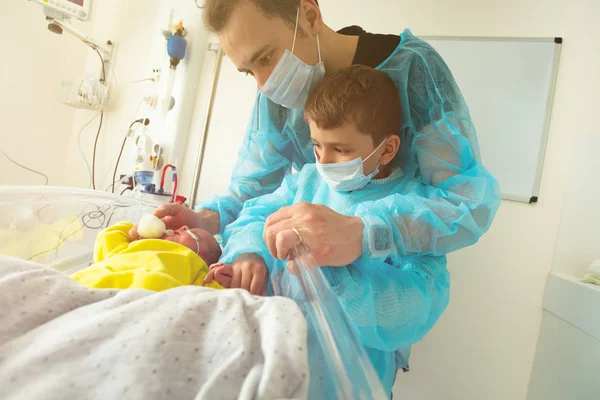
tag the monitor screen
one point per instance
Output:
(78, 2)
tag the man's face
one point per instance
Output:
(255, 42)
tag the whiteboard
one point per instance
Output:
(508, 84)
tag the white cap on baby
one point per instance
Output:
(151, 227)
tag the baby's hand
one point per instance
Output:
(221, 273)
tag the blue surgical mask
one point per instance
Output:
(292, 79)
(349, 175)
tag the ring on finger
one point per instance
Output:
(299, 235)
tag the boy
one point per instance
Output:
(393, 301)
(179, 258)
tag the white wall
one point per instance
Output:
(484, 345)
(35, 126)
(38, 129)
(135, 28)
(130, 25)
(568, 351)
(566, 364)
(578, 240)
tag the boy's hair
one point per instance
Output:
(360, 95)
(218, 12)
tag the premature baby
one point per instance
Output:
(161, 259)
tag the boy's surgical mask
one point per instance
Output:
(347, 176)
(292, 79)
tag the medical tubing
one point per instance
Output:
(175, 180)
(164, 171)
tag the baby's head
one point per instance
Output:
(355, 113)
(199, 241)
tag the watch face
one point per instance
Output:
(200, 3)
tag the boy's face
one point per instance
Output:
(345, 143)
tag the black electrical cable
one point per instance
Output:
(87, 164)
(117, 165)
(99, 125)
(144, 121)
(101, 62)
(95, 220)
(26, 168)
(95, 148)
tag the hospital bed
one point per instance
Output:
(57, 227)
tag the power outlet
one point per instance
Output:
(150, 102)
(155, 75)
(129, 184)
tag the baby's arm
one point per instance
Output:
(112, 240)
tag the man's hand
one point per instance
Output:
(176, 215)
(334, 240)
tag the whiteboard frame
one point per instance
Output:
(549, 104)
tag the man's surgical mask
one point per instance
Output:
(347, 176)
(292, 79)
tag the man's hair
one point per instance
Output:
(360, 95)
(218, 12)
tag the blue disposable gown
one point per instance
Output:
(439, 147)
(392, 301)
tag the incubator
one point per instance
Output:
(57, 227)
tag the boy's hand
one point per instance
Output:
(221, 273)
(250, 273)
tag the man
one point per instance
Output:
(287, 48)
